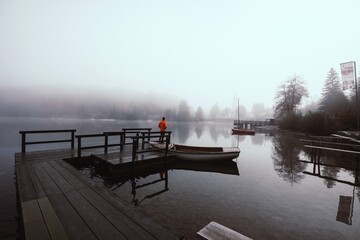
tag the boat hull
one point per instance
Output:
(194, 153)
(205, 157)
(236, 131)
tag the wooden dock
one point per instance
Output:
(57, 202)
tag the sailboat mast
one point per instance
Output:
(238, 122)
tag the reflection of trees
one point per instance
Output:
(183, 131)
(216, 131)
(331, 172)
(286, 150)
(258, 139)
(199, 129)
(331, 164)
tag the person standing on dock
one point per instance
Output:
(162, 125)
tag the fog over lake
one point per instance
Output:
(275, 194)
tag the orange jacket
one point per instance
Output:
(162, 125)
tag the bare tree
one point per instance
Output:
(289, 96)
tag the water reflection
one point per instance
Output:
(258, 139)
(330, 165)
(285, 156)
(182, 131)
(216, 131)
(333, 167)
(199, 129)
(136, 184)
(146, 178)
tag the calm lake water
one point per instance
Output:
(272, 191)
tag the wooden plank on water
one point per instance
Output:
(345, 137)
(75, 207)
(74, 225)
(35, 180)
(73, 171)
(332, 149)
(60, 181)
(54, 226)
(26, 188)
(101, 227)
(216, 231)
(145, 222)
(125, 225)
(34, 224)
(75, 181)
(47, 182)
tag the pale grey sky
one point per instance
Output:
(203, 51)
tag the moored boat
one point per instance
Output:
(196, 153)
(241, 131)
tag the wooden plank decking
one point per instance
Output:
(57, 202)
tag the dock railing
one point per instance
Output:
(127, 133)
(146, 136)
(24, 142)
(111, 134)
(150, 135)
(143, 134)
(80, 146)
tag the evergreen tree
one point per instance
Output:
(215, 111)
(199, 114)
(334, 102)
(184, 111)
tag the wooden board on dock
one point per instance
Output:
(58, 202)
(216, 231)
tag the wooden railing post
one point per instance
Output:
(167, 145)
(134, 148)
(72, 139)
(122, 141)
(149, 134)
(23, 142)
(137, 141)
(143, 139)
(79, 146)
(106, 143)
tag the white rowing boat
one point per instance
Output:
(195, 153)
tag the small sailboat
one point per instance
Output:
(241, 131)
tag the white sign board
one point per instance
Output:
(348, 75)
